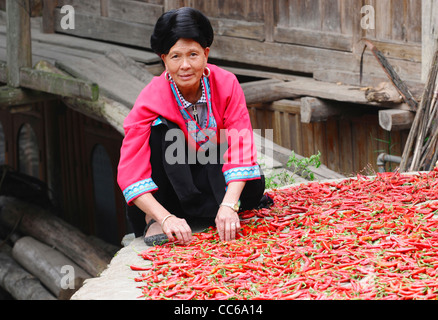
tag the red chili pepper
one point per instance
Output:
(336, 231)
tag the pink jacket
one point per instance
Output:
(156, 99)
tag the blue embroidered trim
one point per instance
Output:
(157, 122)
(243, 173)
(193, 128)
(139, 188)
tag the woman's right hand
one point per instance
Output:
(175, 227)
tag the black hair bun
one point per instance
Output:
(182, 23)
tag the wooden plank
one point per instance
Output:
(297, 134)
(238, 28)
(48, 22)
(285, 130)
(324, 90)
(312, 38)
(269, 19)
(58, 84)
(114, 82)
(134, 11)
(368, 80)
(19, 52)
(104, 8)
(400, 50)
(304, 59)
(347, 154)
(320, 135)
(81, 6)
(307, 139)
(130, 66)
(106, 29)
(333, 145)
(429, 35)
(276, 125)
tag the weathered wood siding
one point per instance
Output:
(349, 144)
(294, 35)
(320, 38)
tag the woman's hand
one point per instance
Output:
(179, 228)
(227, 223)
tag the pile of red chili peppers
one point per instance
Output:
(362, 238)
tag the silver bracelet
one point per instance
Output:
(164, 220)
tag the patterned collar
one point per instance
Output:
(187, 104)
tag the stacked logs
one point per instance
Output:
(41, 256)
(421, 149)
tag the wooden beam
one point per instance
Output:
(303, 86)
(130, 65)
(264, 91)
(46, 263)
(20, 283)
(46, 227)
(58, 84)
(396, 120)
(10, 96)
(19, 52)
(319, 39)
(48, 22)
(317, 110)
(309, 87)
(104, 109)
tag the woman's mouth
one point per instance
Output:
(185, 76)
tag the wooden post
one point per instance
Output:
(18, 39)
(396, 120)
(429, 34)
(20, 283)
(47, 263)
(48, 25)
(317, 110)
(54, 232)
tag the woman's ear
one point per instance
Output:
(163, 59)
(206, 52)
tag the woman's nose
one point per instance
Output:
(185, 64)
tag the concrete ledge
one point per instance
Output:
(116, 282)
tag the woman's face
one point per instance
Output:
(185, 63)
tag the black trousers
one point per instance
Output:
(192, 191)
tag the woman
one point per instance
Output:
(206, 105)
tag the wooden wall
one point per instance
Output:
(348, 144)
(319, 38)
(294, 35)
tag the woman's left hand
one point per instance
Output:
(227, 223)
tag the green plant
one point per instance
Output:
(296, 166)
